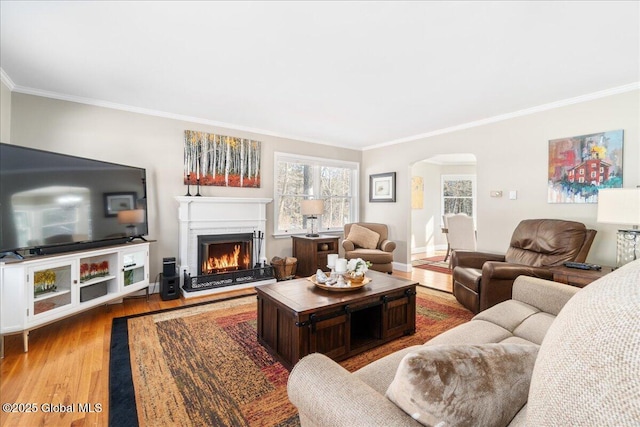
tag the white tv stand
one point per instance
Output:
(43, 289)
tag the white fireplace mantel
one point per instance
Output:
(216, 215)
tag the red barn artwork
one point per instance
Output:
(579, 166)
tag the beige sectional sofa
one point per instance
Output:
(586, 351)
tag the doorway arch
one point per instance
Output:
(426, 214)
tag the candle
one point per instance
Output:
(341, 265)
(331, 260)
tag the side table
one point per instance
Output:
(576, 276)
(312, 252)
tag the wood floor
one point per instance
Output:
(431, 279)
(67, 365)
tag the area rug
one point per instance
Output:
(202, 365)
(435, 263)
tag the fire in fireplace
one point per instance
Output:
(225, 252)
(226, 260)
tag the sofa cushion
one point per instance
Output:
(508, 314)
(363, 237)
(473, 332)
(375, 256)
(464, 385)
(535, 327)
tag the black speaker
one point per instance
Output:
(169, 267)
(169, 287)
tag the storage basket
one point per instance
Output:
(284, 268)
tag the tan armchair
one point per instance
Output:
(482, 280)
(369, 241)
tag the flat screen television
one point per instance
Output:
(51, 203)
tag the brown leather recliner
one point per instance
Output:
(378, 251)
(482, 280)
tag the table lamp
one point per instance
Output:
(131, 217)
(312, 208)
(622, 206)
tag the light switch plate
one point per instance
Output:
(513, 195)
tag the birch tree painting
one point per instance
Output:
(221, 160)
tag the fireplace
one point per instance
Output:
(226, 260)
(221, 244)
(221, 253)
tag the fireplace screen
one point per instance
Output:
(227, 260)
(225, 253)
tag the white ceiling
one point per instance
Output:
(354, 74)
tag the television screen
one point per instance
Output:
(51, 202)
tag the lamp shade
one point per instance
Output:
(132, 216)
(619, 206)
(312, 207)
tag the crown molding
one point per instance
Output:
(519, 113)
(164, 114)
(106, 104)
(6, 80)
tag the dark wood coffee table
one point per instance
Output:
(296, 318)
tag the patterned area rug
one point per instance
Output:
(202, 365)
(435, 263)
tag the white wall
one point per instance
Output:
(153, 143)
(5, 113)
(511, 155)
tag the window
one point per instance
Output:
(301, 177)
(59, 220)
(459, 194)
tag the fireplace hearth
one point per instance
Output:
(197, 285)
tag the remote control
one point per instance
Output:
(582, 265)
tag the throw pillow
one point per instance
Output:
(363, 237)
(464, 385)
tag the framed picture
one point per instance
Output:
(579, 166)
(417, 192)
(382, 187)
(116, 202)
(221, 160)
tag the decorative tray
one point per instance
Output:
(339, 289)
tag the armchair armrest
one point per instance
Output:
(473, 259)
(348, 245)
(498, 277)
(387, 246)
(506, 271)
(326, 394)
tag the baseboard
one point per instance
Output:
(428, 251)
(401, 266)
